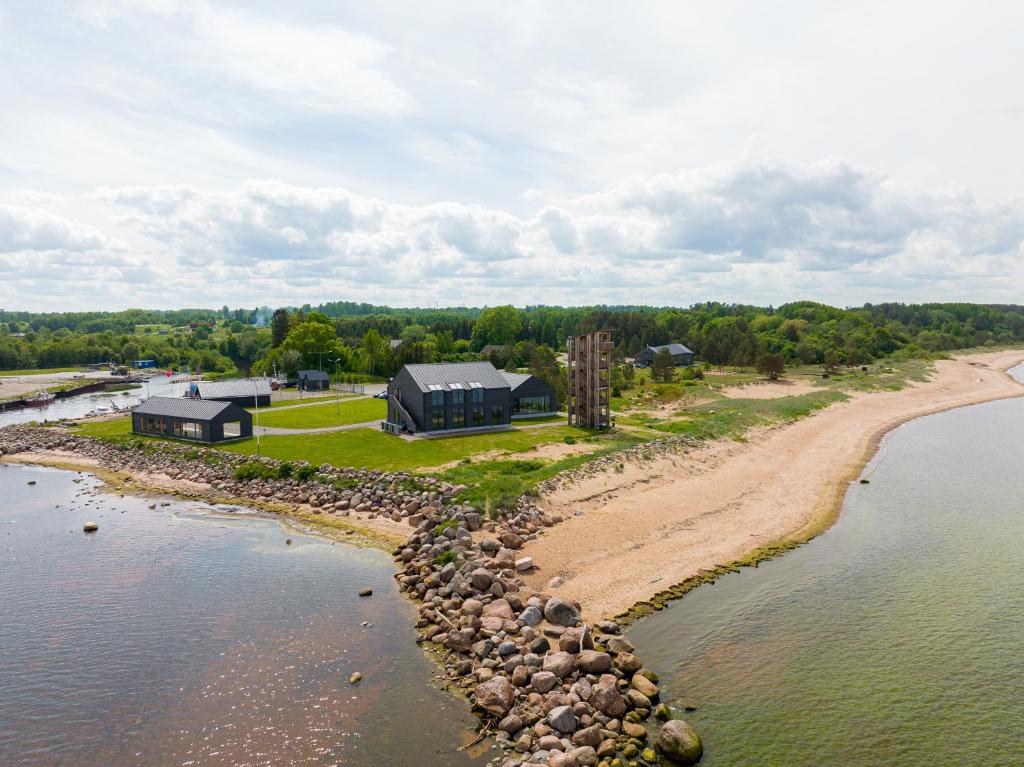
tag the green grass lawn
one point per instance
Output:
(538, 419)
(39, 371)
(305, 400)
(367, 448)
(325, 414)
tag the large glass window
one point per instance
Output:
(437, 398)
(153, 425)
(498, 414)
(528, 405)
(458, 418)
(188, 430)
(458, 396)
(478, 415)
(437, 418)
(232, 429)
(477, 393)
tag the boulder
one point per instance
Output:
(561, 613)
(561, 664)
(496, 696)
(544, 681)
(593, 662)
(644, 686)
(679, 742)
(562, 719)
(480, 579)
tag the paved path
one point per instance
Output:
(265, 431)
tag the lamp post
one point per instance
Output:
(256, 406)
(337, 392)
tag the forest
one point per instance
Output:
(365, 340)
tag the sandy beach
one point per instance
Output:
(628, 535)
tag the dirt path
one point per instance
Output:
(632, 534)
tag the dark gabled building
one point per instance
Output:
(191, 419)
(448, 396)
(530, 396)
(314, 380)
(681, 356)
(252, 392)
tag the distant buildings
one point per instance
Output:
(141, 364)
(681, 356)
(462, 395)
(244, 392)
(195, 420)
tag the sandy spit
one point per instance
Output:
(628, 535)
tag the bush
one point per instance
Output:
(569, 440)
(305, 472)
(284, 470)
(445, 557)
(448, 523)
(253, 470)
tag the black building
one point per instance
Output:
(448, 396)
(314, 380)
(682, 356)
(191, 419)
(251, 392)
(531, 397)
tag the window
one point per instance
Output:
(498, 414)
(458, 418)
(458, 396)
(152, 425)
(478, 415)
(232, 429)
(476, 392)
(188, 430)
(437, 398)
(437, 417)
(530, 405)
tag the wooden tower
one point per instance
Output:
(590, 379)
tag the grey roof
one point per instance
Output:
(515, 380)
(464, 373)
(673, 349)
(396, 342)
(236, 387)
(314, 375)
(182, 407)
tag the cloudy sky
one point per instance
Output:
(167, 153)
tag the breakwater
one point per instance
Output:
(549, 688)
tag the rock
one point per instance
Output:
(499, 608)
(558, 759)
(531, 616)
(562, 719)
(608, 701)
(555, 582)
(594, 662)
(588, 736)
(585, 756)
(544, 681)
(480, 579)
(363, 592)
(609, 627)
(496, 696)
(355, 678)
(679, 742)
(662, 712)
(90, 527)
(561, 613)
(561, 664)
(644, 686)
(524, 564)
(634, 730)
(628, 663)
(511, 724)
(619, 644)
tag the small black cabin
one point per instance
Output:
(191, 419)
(314, 380)
(681, 356)
(531, 397)
(244, 392)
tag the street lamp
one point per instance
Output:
(337, 392)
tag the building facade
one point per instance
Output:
(244, 392)
(194, 420)
(531, 397)
(314, 380)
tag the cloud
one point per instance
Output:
(758, 231)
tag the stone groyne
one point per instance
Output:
(549, 688)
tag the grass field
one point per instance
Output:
(326, 414)
(305, 400)
(367, 448)
(39, 371)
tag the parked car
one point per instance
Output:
(381, 395)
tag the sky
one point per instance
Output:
(187, 153)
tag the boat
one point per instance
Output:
(41, 398)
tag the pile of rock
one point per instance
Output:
(553, 690)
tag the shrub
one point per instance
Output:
(445, 557)
(569, 440)
(253, 470)
(305, 472)
(284, 470)
(448, 523)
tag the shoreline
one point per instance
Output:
(730, 505)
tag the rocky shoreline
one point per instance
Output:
(550, 689)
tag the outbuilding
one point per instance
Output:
(244, 392)
(531, 397)
(195, 420)
(314, 380)
(446, 397)
(681, 356)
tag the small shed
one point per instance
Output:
(531, 397)
(143, 364)
(244, 392)
(194, 420)
(314, 380)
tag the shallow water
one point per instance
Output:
(897, 637)
(183, 636)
